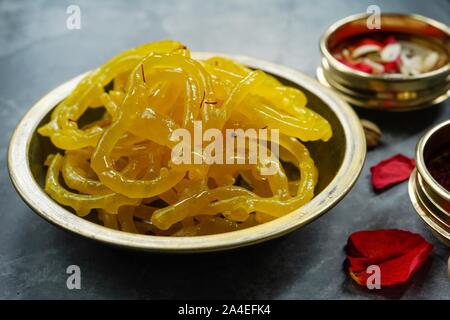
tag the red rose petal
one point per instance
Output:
(361, 66)
(390, 40)
(391, 67)
(391, 171)
(364, 67)
(398, 254)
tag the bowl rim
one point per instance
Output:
(363, 104)
(423, 212)
(386, 77)
(421, 165)
(346, 176)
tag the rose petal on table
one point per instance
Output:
(391, 171)
(398, 254)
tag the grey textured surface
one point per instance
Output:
(37, 53)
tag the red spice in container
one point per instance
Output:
(439, 166)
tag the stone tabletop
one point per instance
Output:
(38, 52)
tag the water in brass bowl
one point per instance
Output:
(392, 92)
(339, 162)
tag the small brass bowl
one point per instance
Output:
(429, 198)
(393, 92)
(339, 161)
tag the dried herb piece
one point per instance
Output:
(142, 71)
(372, 132)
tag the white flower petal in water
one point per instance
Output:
(430, 61)
(390, 52)
(365, 49)
(377, 67)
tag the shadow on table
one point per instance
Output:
(410, 122)
(261, 271)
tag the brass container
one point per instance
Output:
(393, 92)
(339, 161)
(429, 198)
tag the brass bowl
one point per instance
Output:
(339, 161)
(393, 92)
(429, 198)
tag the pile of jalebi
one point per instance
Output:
(121, 166)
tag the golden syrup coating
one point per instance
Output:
(121, 166)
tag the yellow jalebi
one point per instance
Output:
(121, 168)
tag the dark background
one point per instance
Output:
(37, 53)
